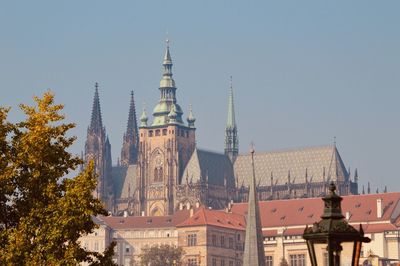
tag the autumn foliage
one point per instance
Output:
(42, 213)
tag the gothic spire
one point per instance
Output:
(231, 137)
(253, 247)
(131, 129)
(131, 140)
(96, 123)
(231, 123)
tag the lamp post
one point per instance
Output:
(333, 230)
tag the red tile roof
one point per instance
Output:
(216, 218)
(143, 222)
(362, 208)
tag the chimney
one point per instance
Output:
(379, 209)
(191, 212)
(125, 213)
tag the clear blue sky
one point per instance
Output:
(303, 71)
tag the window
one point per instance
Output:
(214, 240)
(127, 249)
(269, 261)
(231, 263)
(297, 260)
(96, 246)
(222, 241)
(214, 262)
(164, 132)
(160, 174)
(192, 262)
(150, 133)
(155, 175)
(157, 132)
(192, 240)
(326, 259)
(231, 242)
(222, 262)
(238, 237)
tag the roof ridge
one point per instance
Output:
(210, 151)
(283, 150)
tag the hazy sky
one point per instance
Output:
(303, 71)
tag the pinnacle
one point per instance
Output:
(96, 123)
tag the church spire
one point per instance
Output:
(167, 95)
(98, 149)
(253, 246)
(130, 142)
(231, 122)
(231, 138)
(96, 123)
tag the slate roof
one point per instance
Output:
(206, 164)
(313, 160)
(124, 181)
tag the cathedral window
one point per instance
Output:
(155, 175)
(160, 174)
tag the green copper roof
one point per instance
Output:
(143, 118)
(167, 108)
(231, 123)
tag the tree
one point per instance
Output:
(42, 213)
(283, 262)
(161, 255)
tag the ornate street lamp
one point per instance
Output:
(329, 233)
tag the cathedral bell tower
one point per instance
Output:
(98, 149)
(164, 149)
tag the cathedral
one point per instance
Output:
(161, 169)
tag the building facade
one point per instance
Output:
(161, 168)
(217, 237)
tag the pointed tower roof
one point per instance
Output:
(191, 119)
(131, 129)
(167, 95)
(253, 247)
(143, 117)
(167, 56)
(167, 80)
(231, 122)
(96, 123)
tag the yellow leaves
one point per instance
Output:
(48, 213)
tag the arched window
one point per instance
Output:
(160, 174)
(155, 175)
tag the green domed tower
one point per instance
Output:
(166, 145)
